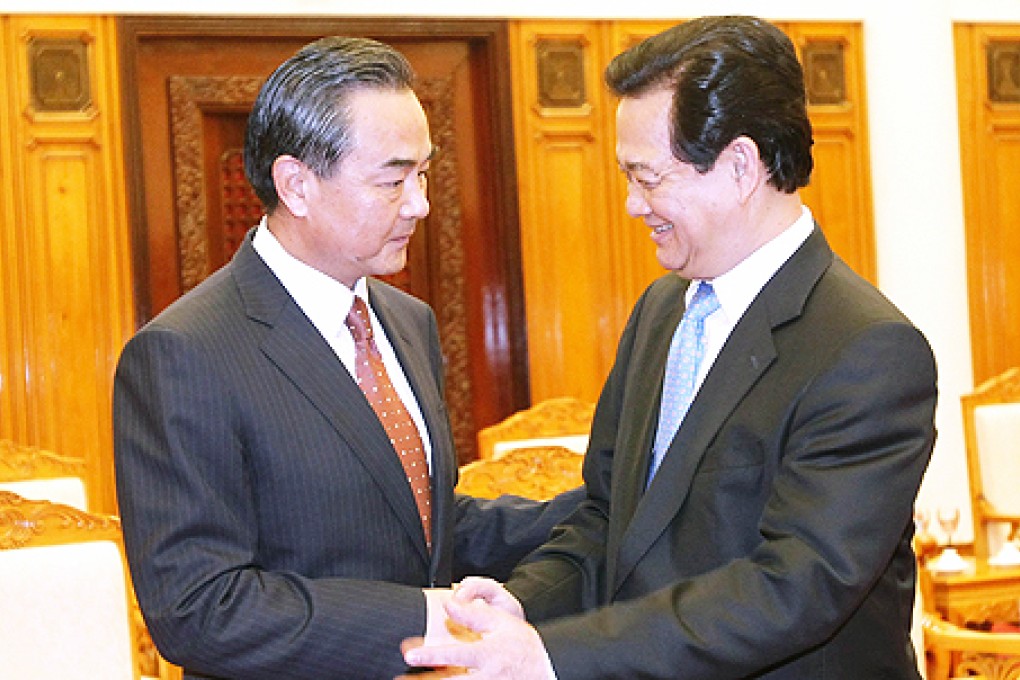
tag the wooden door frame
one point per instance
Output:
(489, 36)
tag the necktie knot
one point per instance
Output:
(703, 303)
(358, 322)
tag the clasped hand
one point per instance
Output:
(477, 628)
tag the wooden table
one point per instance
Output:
(978, 593)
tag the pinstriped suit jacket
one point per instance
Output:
(269, 526)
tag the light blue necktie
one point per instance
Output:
(685, 353)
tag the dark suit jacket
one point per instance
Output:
(269, 526)
(774, 541)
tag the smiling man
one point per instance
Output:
(758, 445)
(285, 467)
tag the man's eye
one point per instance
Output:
(646, 183)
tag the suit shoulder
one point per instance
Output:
(664, 290)
(856, 298)
(207, 305)
(381, 291)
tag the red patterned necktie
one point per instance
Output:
(375, 383)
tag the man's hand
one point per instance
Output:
(508, 648)
(493, 592)
(439, 628)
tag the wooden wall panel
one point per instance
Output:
(988, 87)
(836, 203)
(68, 301)
(565, 210)
(585, 260)
(567, 254)
(840, 191)
(10, 317)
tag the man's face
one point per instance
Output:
(694, 217)
(359, 221)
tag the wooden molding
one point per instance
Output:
(19, 462)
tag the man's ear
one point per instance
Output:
(292, 180)
(745, 164)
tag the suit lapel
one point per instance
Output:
(638, 424)
(297, 349)
(747, 354)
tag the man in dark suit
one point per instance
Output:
(768, 535)
(270, 528)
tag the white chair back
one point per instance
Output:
(65, 613)
(998, 438)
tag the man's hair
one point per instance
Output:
(302, 110)
(730, 76)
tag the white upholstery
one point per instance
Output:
(998, 442)
(578, 443)
(65, 613)
(65, 490)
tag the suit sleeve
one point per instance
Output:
(855, 447)
(492, 536)
(189, 519)
(567, 574)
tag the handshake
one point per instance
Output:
(477, 628)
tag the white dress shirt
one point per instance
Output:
(326, 302)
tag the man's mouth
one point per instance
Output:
(662, 228)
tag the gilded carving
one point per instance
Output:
(988, 666)
(27, 462)
(539, 472)
(26, 522)
(550, 418)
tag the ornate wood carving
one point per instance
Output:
(540, 472)
(550, 418)
(446, 260)
(19, 462)
(25, 523)
(188, 96)
(988, 666)
(240, 208)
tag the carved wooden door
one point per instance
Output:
(189, 84)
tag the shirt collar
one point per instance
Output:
(323, 299)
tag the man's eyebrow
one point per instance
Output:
(409, 162)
